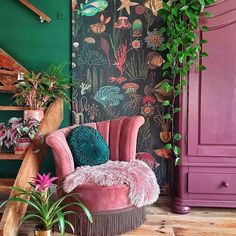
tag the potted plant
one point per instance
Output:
(19, 133)
(37, 91)
(48, 214)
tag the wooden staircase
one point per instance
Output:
(31, 162)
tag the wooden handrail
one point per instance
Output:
(8, 72)
(43, 17)
(14, 211)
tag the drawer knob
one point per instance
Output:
(225, 184)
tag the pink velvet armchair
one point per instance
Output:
(112, 211)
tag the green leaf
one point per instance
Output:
(177, 109)
(177, 137)
(203, 41)
(202, 2)
(176, 150)
(177, 92)
(168, 146)
(167, 117)
(29, 216)
(183, 82)
(177, 161)
(208, 14)
(201, 67)
(61, 223)
(204, 54)
(162, 30)
(204, 28)
(166, 65)
(183, 8)
(166, 103)
(71, 226)
(167, 87)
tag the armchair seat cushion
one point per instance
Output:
(104, 198)
(141, 180)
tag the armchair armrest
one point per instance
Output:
(62, 155)
(148, 159)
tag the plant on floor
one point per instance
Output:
(181, 19)
(46, 212)
(37, 91)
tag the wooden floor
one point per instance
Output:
(160, 221)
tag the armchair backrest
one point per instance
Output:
(120, 134)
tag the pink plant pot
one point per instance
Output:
(36, 114)
(22, 146)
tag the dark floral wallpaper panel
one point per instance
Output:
(116, 61)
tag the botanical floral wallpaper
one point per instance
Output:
(116, 61)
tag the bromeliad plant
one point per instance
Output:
(181, 19)
(47, 212)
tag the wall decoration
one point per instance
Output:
(116, 61)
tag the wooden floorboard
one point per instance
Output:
(162, 222)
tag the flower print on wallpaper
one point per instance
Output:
(116, 61)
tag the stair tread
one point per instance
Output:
(13, 108)
(5, 183)
(11, 156)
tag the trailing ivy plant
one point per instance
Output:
(181, 19)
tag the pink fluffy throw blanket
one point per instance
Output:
(141, 180)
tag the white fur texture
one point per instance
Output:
(141, 180)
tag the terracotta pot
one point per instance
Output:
(165, 136)
(22, 146)
(38, 232)
(36, 114)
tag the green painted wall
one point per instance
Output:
(35, 45)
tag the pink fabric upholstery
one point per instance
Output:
(98, 198)
(121, 136)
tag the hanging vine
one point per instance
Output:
(181, 19)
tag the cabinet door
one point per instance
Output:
(212, 93)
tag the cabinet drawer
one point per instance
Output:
(214, 183)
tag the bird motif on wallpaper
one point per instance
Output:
(127, 4)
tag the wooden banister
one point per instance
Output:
(43, 17)
(14, 211)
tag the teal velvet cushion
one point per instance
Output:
(88, 146)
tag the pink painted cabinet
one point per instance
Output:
(207, 175)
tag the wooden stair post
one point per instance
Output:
(14, 211)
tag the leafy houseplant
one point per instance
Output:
(46, 212)
(16, 130)
(37, 91)
(183, 50)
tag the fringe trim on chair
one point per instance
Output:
(108, 223)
